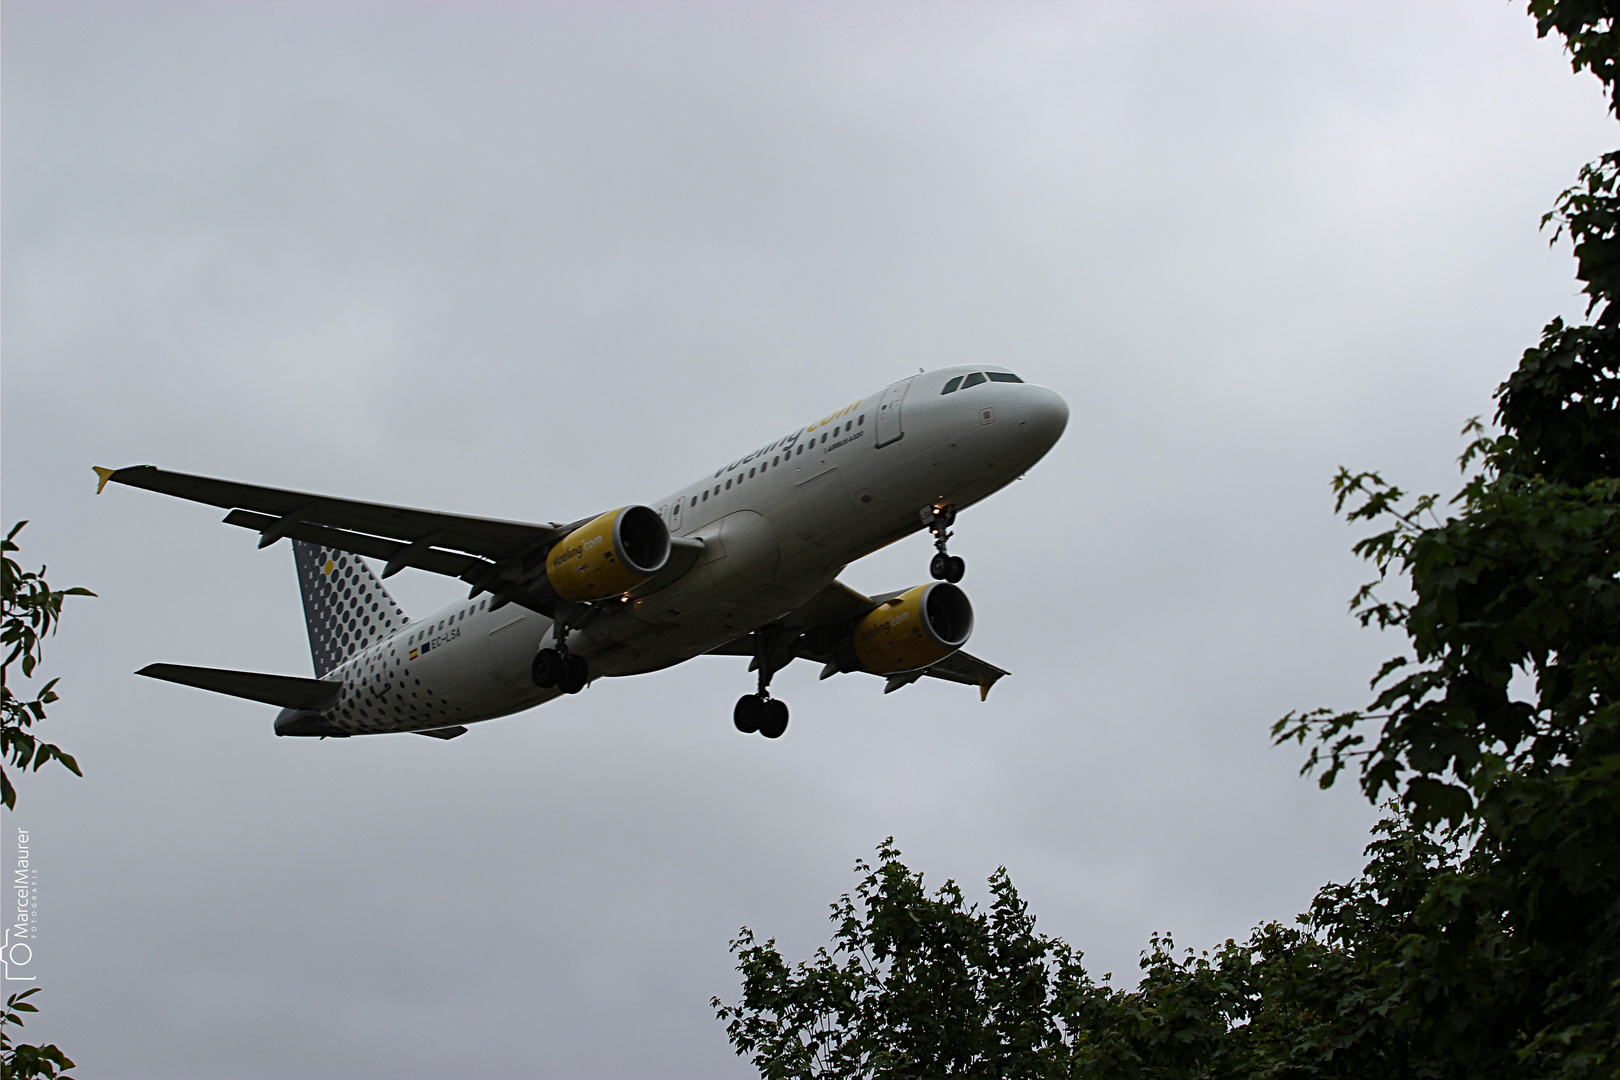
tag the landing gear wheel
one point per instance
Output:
(776, 718)
(547, 669)
(749, 712)
(944, 566)
(576, 673)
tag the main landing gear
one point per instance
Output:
(943, 566)
(760, 712)
(560, 668)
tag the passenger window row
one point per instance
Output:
(962, 382)
(782, 458)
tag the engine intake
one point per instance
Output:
(608, 555)
(914, 629)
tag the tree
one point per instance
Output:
(1483, 938)
(1501, 721)
(920, 985)
(30, 611)
(27, 1062)
(914, 985)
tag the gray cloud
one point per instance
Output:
(534, 261)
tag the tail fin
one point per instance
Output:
(345, 606)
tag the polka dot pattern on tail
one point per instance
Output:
(345, 605)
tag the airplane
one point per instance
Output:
(742, 562)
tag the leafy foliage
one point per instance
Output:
(29, 611)
(914, 985)
(28, 1062)
(1483, 938)
(920, 985)
(1502, 721)
(1587, 27)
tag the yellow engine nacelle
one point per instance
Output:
(608, 555)
(914, 629)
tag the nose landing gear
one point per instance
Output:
(558, 667)
(944, 566)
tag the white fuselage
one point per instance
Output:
(778, 525)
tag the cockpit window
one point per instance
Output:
(1004, 376)
(950, 387)
(973, 380)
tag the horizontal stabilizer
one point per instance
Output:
(287, 691)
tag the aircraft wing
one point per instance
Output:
(819, 628)
(960, 667)
(472, 549)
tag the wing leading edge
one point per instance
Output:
(476, 550)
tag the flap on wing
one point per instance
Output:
(828, 609)
(439, 562)
(287, 691)
(449, 544)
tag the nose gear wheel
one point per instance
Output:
(944, 566)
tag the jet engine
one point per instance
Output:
(914, 629)
(608, 555)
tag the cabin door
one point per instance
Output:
(888, 416)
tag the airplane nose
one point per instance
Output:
(1040, 416)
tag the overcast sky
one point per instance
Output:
(535, 262)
